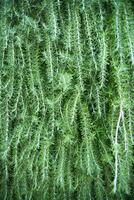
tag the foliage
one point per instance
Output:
(66, 99)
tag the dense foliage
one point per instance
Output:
(66, 99)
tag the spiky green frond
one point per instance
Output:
(66, 99)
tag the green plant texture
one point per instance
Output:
(66, 99)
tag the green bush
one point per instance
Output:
(66, 99)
